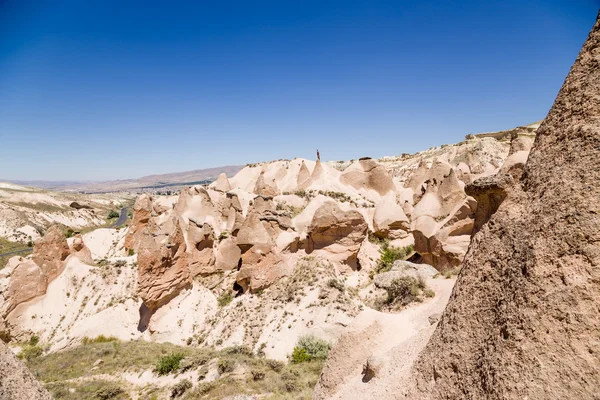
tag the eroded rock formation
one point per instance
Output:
(523, 319)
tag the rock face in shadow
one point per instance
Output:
(523, 321)
(16, 382)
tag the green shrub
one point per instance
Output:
(223, 235)
(29, 352)
(131, 252)
(299, 355)
(224, 299)
(113, 214)
(34, 340)
(225, 365)
(390, 254)
(310, 348)
(69, 233)
(168, 363)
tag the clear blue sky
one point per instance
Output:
(118, 89)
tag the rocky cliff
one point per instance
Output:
(523, 319)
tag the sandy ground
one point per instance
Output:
(392, 340)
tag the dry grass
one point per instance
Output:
(270, 378)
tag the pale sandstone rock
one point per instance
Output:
(81, 251)
(389, 219)
(222, 183)
(368, 174)
(336, 233)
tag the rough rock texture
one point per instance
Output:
(402, 269)
(16, 382)
(336, 233)
(81, 251)
(523, 321)
(21, 280)
(142, 211)
(51, 251)
(162, 269)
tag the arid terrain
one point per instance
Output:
(465, 271)
(243, 269)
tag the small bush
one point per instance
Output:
(225, 365)
(257, 374)
(299, 355)
(275, 365)
(69, 233)
(290, 381)
(109, 392)
(193, 361)
(403, 290)
(390, 254)
(34, 340)
(224, 299)
(336, 284)
(168, 363)
(239, 350)
(180, 388)
(131, 252)
(205, 387)
(310, 348)
(223, 235)
(29, 352)
(113, 214)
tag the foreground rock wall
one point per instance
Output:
(523, 321)
(16, 382)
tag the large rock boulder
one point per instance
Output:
(368, 174)
(50, 252)
(16, 382)
(81, 251)
(20, 281)
(162, 268)
(523, 320)
(336, 234)
(142, 212)
(404, 269)
(389, 220)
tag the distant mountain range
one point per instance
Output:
(151, 182)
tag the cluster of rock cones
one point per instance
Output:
(523, 321)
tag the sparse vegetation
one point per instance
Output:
(169, 363)
(99, 339)
(224, 299)
(403, 291)
(180, 388)
(389, 254)
(113, 214)
(310, 348)
(69, 233)
(58, 370)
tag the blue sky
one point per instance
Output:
(120, 89)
